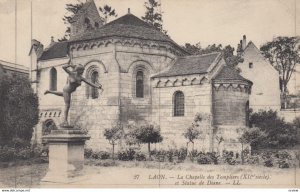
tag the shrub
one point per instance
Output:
(268, 163)
(140, 156)
(193, 155)
(204, 159)
(127, 155)
(228, 157)
(214, 157)
(88, 152)
(107, 163)
(254, 159)
(24, 153)
(283, 164)
(7, 154)
(182, 153)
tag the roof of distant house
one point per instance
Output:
(196, 64)
(55, 50)
(229, 73)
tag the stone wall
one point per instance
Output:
(197, 99)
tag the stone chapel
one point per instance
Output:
(147, 77)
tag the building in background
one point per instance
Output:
(265, 92)
(12, 69)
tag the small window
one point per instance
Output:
(94, 79)
(140, 84)
(178, 104)
(250, 65)
(53, 79)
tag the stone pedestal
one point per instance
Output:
(66, 155)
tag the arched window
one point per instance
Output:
(139, 84)
(247, 111)
(94, 79)
(53, 79)
(178, 103)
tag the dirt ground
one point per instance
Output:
(104, 173)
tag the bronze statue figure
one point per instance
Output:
(73, 81)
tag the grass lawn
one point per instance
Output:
(106, 173)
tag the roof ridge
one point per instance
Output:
(206, 54)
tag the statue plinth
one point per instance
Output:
(66, 155)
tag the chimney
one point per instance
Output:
(238, 50)
(128, 10)
(244, 42)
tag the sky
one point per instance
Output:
(192, 21)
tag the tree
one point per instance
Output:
(113, 135)
(153, 15)
(107, 12)
(283, 54)
(191, 134)
(228, 52)
(148, 134)
(276, 132)
(72, 10)
(19, 111)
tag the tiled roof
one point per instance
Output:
(126, 26)
(56, 50)
(229, 73)
(188, 65)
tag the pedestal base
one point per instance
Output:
(66, 155)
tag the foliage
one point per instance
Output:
(139, 156)
(19, 110)
(127, 155)
(228, 157)
(148, 134)
(72, 9)
(272, 132)
(9, 153)
(283, 54)
(114, 134)
(192, 133)
(193, 154)
(227, 51)
(107, 12)
(207, 158)
(153, 16)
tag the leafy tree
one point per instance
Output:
(148, 134)
(113, 135)
(107, 12)
(19, 110)
(283, 54)
(191, 134)
(276, 132)
(228, 52)
(72, 10)
(153, 15)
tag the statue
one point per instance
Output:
(73, 81)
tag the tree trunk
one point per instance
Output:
(193, 145)
(284, 95)
(242, 154)
(149, 151)
(113, 152)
